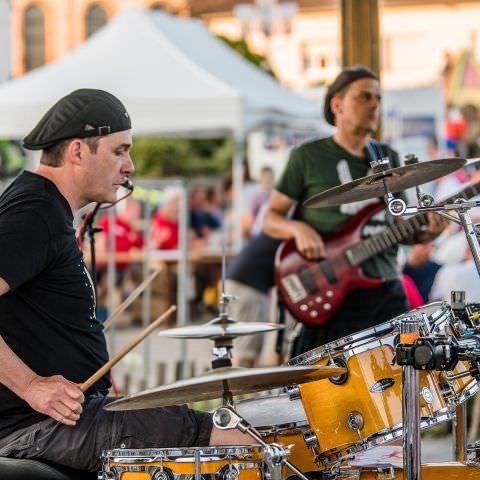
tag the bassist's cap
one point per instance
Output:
(346, 77)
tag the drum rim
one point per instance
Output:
(318, 353)
(170, 454)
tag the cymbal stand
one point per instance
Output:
(397, 207)
(409, 327)
(222, 350)
(225, 418)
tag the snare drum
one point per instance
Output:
(363, 408)
(273, 413)
(209, 463)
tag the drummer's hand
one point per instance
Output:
(309, 243)
(56, 397)
(436, 225)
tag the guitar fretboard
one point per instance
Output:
(399, 232)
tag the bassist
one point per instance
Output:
(352, 105)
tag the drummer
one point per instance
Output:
(50, 337)
(352, 105)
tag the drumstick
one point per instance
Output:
(100, 372)
(126, 303)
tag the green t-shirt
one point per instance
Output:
(322, 164)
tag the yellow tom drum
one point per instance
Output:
(231, 462)
(363, 408)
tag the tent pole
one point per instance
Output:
(182, 272)
(147, 294)
(238, 174)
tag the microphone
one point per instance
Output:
(127, 183)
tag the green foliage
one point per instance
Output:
(242, 48)
(154, 157)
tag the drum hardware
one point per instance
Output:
(225, 418)
(310, 438)
(339, 362)
(355, 423)
(293, 392)
(410, 404)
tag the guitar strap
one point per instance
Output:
(377, 150)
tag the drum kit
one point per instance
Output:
(349, 397)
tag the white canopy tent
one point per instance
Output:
(174, 77)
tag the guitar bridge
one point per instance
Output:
(294, 288)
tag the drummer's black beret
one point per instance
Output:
(346, 77)
(81, 114)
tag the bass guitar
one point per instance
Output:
(312, 290)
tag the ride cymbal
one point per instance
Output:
(395, 179)
(213, 384)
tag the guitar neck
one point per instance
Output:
(399, 232)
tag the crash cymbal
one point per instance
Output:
(396, 179)
(214, 383)
(216, 329)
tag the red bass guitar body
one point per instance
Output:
(312, 290)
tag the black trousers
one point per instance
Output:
(97, 429)
(362, 308)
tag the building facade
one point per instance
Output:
(301, 40)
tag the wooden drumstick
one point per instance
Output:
(103, 370)
(126, 303)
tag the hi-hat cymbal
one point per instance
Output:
(396, 179)
(220, 330)
(214, 383)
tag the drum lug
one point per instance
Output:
(310, 438)
(107, 475)
(355, 422)
(342, 363)
(293, 392)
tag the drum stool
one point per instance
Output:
(16, 469)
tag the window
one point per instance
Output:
(34, 38)
(96, 18)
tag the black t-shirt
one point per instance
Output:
(254, 265)
(48, 318)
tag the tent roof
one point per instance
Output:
(174, 77)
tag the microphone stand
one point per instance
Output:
(88, 226)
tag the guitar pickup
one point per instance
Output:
(308, 280)
(327, 270)
(294, 288)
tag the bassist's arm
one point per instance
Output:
(276, 224)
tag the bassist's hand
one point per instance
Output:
(308, 241)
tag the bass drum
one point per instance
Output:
(363, 408)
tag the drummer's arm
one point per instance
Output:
(53, 396)
(276, 224)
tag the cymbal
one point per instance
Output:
(220, 330)
(397, 179)
(213, 384)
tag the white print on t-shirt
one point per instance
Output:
(90, 282)
(345, 176)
